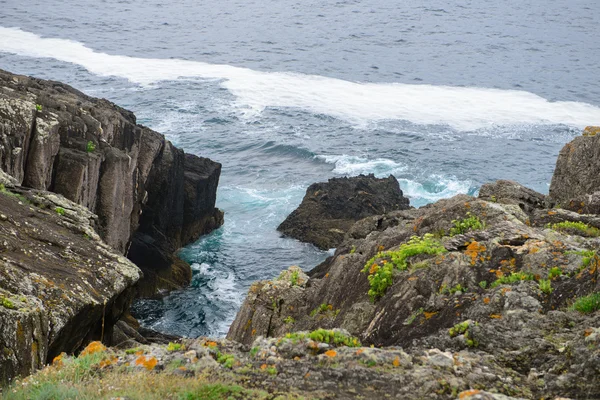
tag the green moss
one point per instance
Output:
(411, 318)
(38, 107)
(471, 223)
(132, 351)
(545, 286)
(90, 147)
(512, 278)
(254, 351)
(458, 288)
(483, 284)
(587, 304)
(589, 258)
(60, 210)
(226, 360)
(294, 278)
(325, 336)
(578, 228)
(7, 303)
(289, 320)
(174, 346)
(271, 371)
(353, 249)
(322, 309)
(554, 272)
(381, 267)
(463, 329)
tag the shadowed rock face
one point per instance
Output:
(329, 209)
(60, 284)
(149, 196)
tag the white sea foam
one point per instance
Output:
(353, 165)
(464, 109)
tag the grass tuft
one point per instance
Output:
(587, 304)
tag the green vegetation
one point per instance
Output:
(132, 351)
(90, 147)
(512, 278)
(324, 309)
(458, 288)
(462, 328)
(60, 210)
(325, 336)
(289, 320)
(174, 346)
(483, 284)
(411, 318)
(271, 370)
(588, 257)
(380, 267)
(554, 272)
(294, 278)
(225, 360)
(353, 249)
(7, 192)
(587, 304)
(7, 303)
(254, 351)
(579, 228)
(545, 286)
(38, 107)
(471, 223)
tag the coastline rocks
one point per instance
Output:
(147, 194)
(60, 284)
(511, 192)
(329, 209)
(576, 181)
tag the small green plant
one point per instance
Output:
(471, 223)
(579, 228)
(60, 210)
(353, 249)
(38, 107)
(289, 320)
(226, 360)
(325, 336)
(483, 284)
(512, 278)
(322, 309)
(174, 346)
(254, 351)
(462, 328)
(7, 303)
(132, 351)
(587, 304)
(90, 147)
(588, 257)
(381, 267)
(554, 273)
(294, 277)
(271, 370)
(493, 199)
(411, 318)
(545, 286)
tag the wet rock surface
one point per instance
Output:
(330, 208)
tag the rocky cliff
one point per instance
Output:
(150, 197)
(501, 275)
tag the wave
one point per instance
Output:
(462, 108)
(354, 165)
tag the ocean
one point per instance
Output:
(446, 96)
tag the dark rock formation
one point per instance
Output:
(576, 180)
(60, 284)
(494, 278)
(329, 209)
(150, 197)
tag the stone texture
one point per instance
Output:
(143, 189)
(329, 209)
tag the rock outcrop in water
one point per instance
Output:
(150, 197)
(501, 276)
(329, 209)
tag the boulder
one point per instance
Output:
(576, 181)
(146, 192)
(511, 192)
(329, 209)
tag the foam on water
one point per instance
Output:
(354, 165)
(462, 108)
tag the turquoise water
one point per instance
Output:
(288, 93)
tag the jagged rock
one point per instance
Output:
(576, 181)
(511, 192)
(329, 209)
(60, 284)
(148, 195)
(449, 299)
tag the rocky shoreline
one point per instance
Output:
(488, 297)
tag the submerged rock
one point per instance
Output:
(329, 209)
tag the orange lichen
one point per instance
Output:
(468, 393)
(210, 343)
(307, 375)
(374, 268)
(264, 366)
(413, 278)
(380, 248)
(396, 362)
(429, 314)
(148, 363)
(588, 332)
(473, 250)
(93, 347)
(107, 362)
(486, 300)
(58, 360)
(359, 351)
(495, 316)
(331, 353)
(505, 290)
